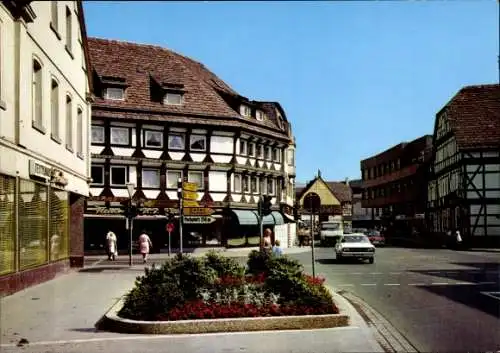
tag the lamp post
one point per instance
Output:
(130, 219)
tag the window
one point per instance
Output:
(251, 149)
(255, 185)
(120, 136)
(259, 115)
(97, 134)
(36, 94)
(263, 185)
(237, 183)
(54, 15)
(115, 93)
(153, 138)
(176, 142)
(173, 177)
(198, 143)
(277, 155)
(54, 109)
(270, 186)
(269, 154)
(79, 131)
(69, 31)
(119, 175)
(151, 178)
(246, 183)
(260, 151)
(243, 147)
(197, 178)
(291, 157)
(97, 174)
(172, 98)
(245, 111)
(69, 123)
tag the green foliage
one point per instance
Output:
(258, 261)
(224, 266)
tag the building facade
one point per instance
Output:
(336, 202)
(361, 217)
(395, 187)
(44, 120)
(159, 116)
(464, 190)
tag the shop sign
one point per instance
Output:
(198, 219)
(149, 211)
(107, 210)
(198, 211)
(38, 170)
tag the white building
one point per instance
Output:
(160, 116)
(44, 153)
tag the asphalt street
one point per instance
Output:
(440, 300)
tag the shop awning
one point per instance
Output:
(246, 217)
(275, 218)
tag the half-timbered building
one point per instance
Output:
(464, 190)
(159, 116)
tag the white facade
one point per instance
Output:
(44, 111)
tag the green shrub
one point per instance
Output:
(223, 266)
(258, 262)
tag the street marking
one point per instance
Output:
(368, 284)
(391, 284)
(346, 285)
(494, 295)
(416, 284)
(491, 282)
(439, 283)
(395, 273)
(375, 273)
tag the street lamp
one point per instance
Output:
(130, 218)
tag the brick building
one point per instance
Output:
(395, 186)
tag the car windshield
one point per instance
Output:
(355, 239)
(330, 226)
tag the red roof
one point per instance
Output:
(140, 66)
(474, 116)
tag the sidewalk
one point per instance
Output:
(59, 316)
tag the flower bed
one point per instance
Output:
(212, 287)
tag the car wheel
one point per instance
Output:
(371, 260)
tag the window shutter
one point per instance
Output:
(7, 225)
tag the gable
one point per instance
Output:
(443, 125)
(325, 194)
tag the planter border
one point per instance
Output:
(112, 322)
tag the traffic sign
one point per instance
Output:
(170, 227)
(189, 195)
(199, 219)
(198, 211)
(190, 203)
(190, 186)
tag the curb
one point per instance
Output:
(385, 333)
(112, 322)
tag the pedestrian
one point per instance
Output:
(144, 245)
(458, 239)
(267, 238)
(277, 250)
(111, 241)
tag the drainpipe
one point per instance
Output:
(17, 80)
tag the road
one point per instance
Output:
(440, 300)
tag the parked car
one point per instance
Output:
(355, 246)
(376, 238)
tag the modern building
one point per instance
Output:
(361, 217)
(464, 190)
(395, 187)
(159, 116)
(44, 154)
(335, 201)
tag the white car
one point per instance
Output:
(355, 246)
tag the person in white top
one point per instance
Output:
(144, 245)
(111, 241)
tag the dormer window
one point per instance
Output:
(245, 110)
(172, 98)
(259, 114)
(115, 93)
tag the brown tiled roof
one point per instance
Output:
(341, 191)
(474, 116)
(141, 65)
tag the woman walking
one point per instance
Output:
(144, 245)
(111, 243)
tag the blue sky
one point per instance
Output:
(353, 77)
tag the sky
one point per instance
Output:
(354, 77)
